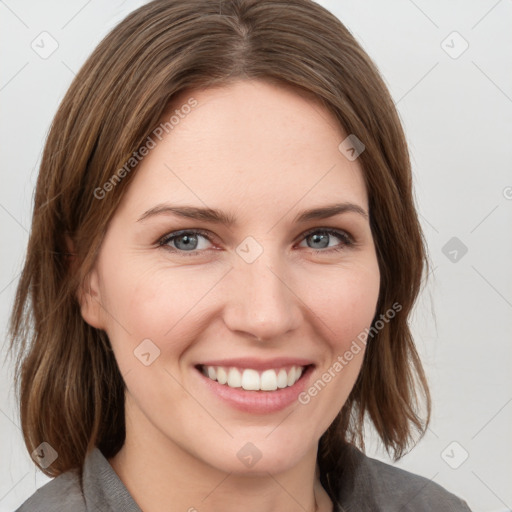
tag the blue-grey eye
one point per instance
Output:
(186, 241)
(320, 237)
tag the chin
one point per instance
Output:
(258, 454)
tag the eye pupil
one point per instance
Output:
(188, 241)
(317, 238)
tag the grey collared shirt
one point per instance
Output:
(369, 486)
(100, 490)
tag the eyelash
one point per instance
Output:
(346, 239)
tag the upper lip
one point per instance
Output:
(258, 364)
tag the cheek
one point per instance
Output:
(154, 301)
(344, 301)
(344, 310)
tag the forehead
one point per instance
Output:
(250, 142)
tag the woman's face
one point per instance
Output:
(276, 289)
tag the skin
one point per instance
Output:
(262, 153)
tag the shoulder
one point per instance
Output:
(374, 485)
(93, 487)
(61, 494)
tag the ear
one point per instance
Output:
(88, 292)
(89, 298)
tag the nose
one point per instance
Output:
(261, 299)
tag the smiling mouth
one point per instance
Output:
(254, 380)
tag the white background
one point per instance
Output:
(457, 113)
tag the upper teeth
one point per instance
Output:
(252, 380)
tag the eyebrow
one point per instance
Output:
(219, 217)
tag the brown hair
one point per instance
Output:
(70, 390)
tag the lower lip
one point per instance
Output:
(257, 402)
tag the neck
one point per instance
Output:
(157, 472)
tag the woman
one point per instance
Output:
(216, 273)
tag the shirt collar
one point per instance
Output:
(103, 489)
